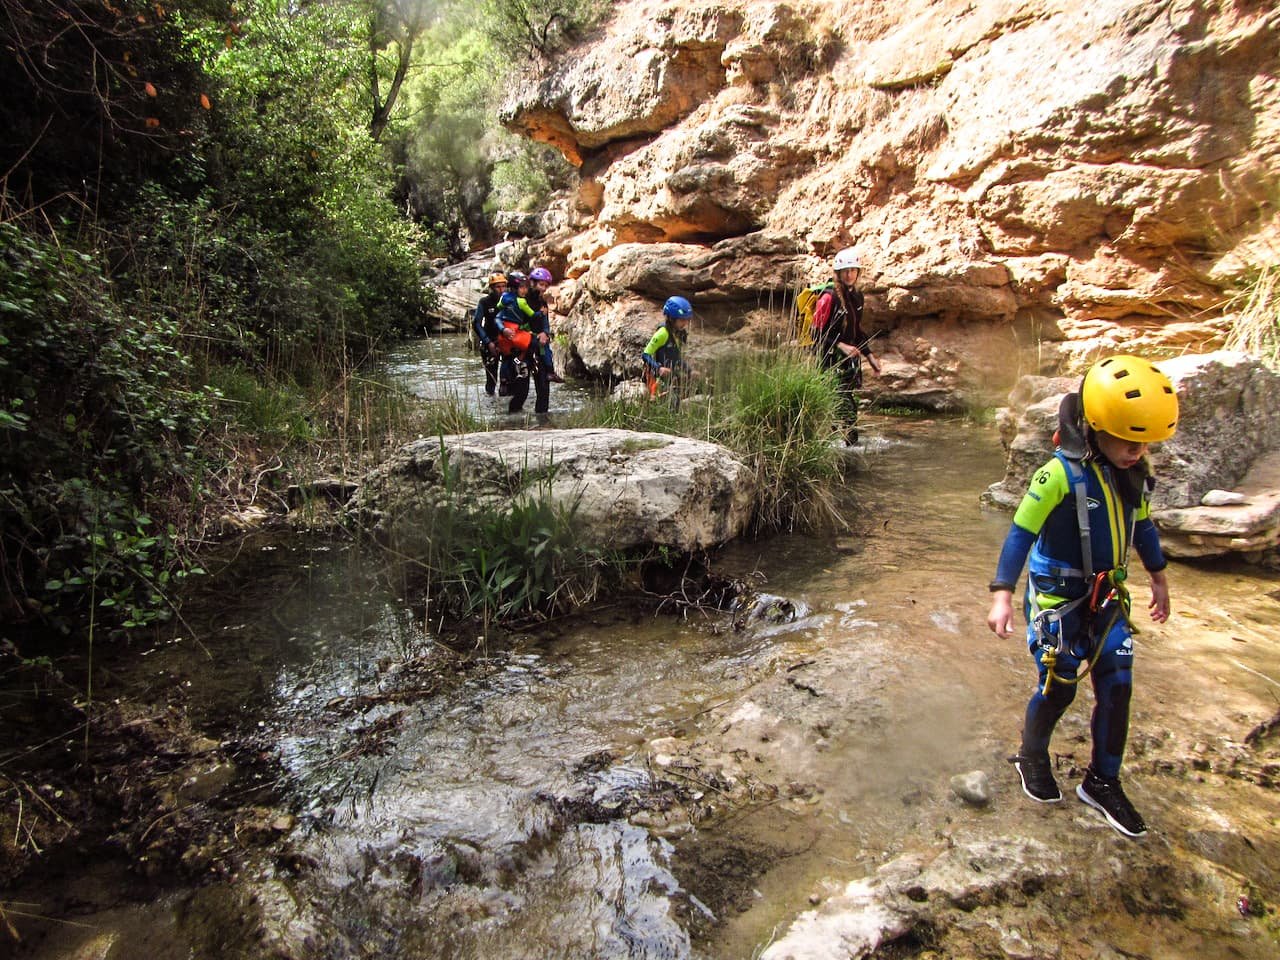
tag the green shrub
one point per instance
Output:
(100, 436)
(784, 421)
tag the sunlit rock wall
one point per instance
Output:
(1028, 182)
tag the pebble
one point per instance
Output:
(973, 787)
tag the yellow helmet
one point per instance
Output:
(1129, 398)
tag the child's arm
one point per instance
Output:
(1146, 540)
(656, 342)
(1049, 487)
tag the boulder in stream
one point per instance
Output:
(633, 489)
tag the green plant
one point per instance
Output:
(784, 422)
(540, 28)
(502, 562)
(101, 436)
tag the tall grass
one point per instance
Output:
(522, 560)
(1256, 328)
(784, 421)
(777, 411)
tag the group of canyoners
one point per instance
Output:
(1082, 512)
(513, 331)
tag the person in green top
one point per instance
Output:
(1083, 511)
(662, 354)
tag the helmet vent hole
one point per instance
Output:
(1132, 394)
(1168, 389)
(1121, 373)
(1137, 429)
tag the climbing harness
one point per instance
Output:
(1107, 589)
(1103, 588)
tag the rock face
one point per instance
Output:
(872, 912)
(632, 489)
(1227, 438)
(1028, 181)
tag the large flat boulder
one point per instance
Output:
(633, 489)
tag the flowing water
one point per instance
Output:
(512, 807)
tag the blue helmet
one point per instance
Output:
(677, 307)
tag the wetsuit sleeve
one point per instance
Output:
(1049, 487)
(656, 343)
(523, 306)
(477, 321)
(507, 309)
(1146, 540)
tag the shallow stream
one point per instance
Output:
(525, 806)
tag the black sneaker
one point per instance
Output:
(1105, 796)
(1037, 778)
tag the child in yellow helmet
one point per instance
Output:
(1073, 529)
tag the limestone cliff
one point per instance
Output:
(1029, 179)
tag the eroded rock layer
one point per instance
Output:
(1028, 181)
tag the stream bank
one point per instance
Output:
(632, 785)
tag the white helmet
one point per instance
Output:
(847, 259)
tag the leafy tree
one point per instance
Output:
(538, 29)
(459, 164)
(394, 29)
(95, 91)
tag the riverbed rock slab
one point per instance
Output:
(1246, 520)
(632, 489)
(876, 910)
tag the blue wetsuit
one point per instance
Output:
(485, 323)
(1046, 526)
(515, 309)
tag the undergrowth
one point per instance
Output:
(505, 563)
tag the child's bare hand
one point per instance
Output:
(1000, 619)
(1159, 605)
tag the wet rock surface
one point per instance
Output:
(795, 801)
(630, 489)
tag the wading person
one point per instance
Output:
(1082, 512)
(838, 336)
(540, 281)
(485, 323)
(522, 337)
(663, 360)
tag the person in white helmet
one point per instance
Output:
(838, 336)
